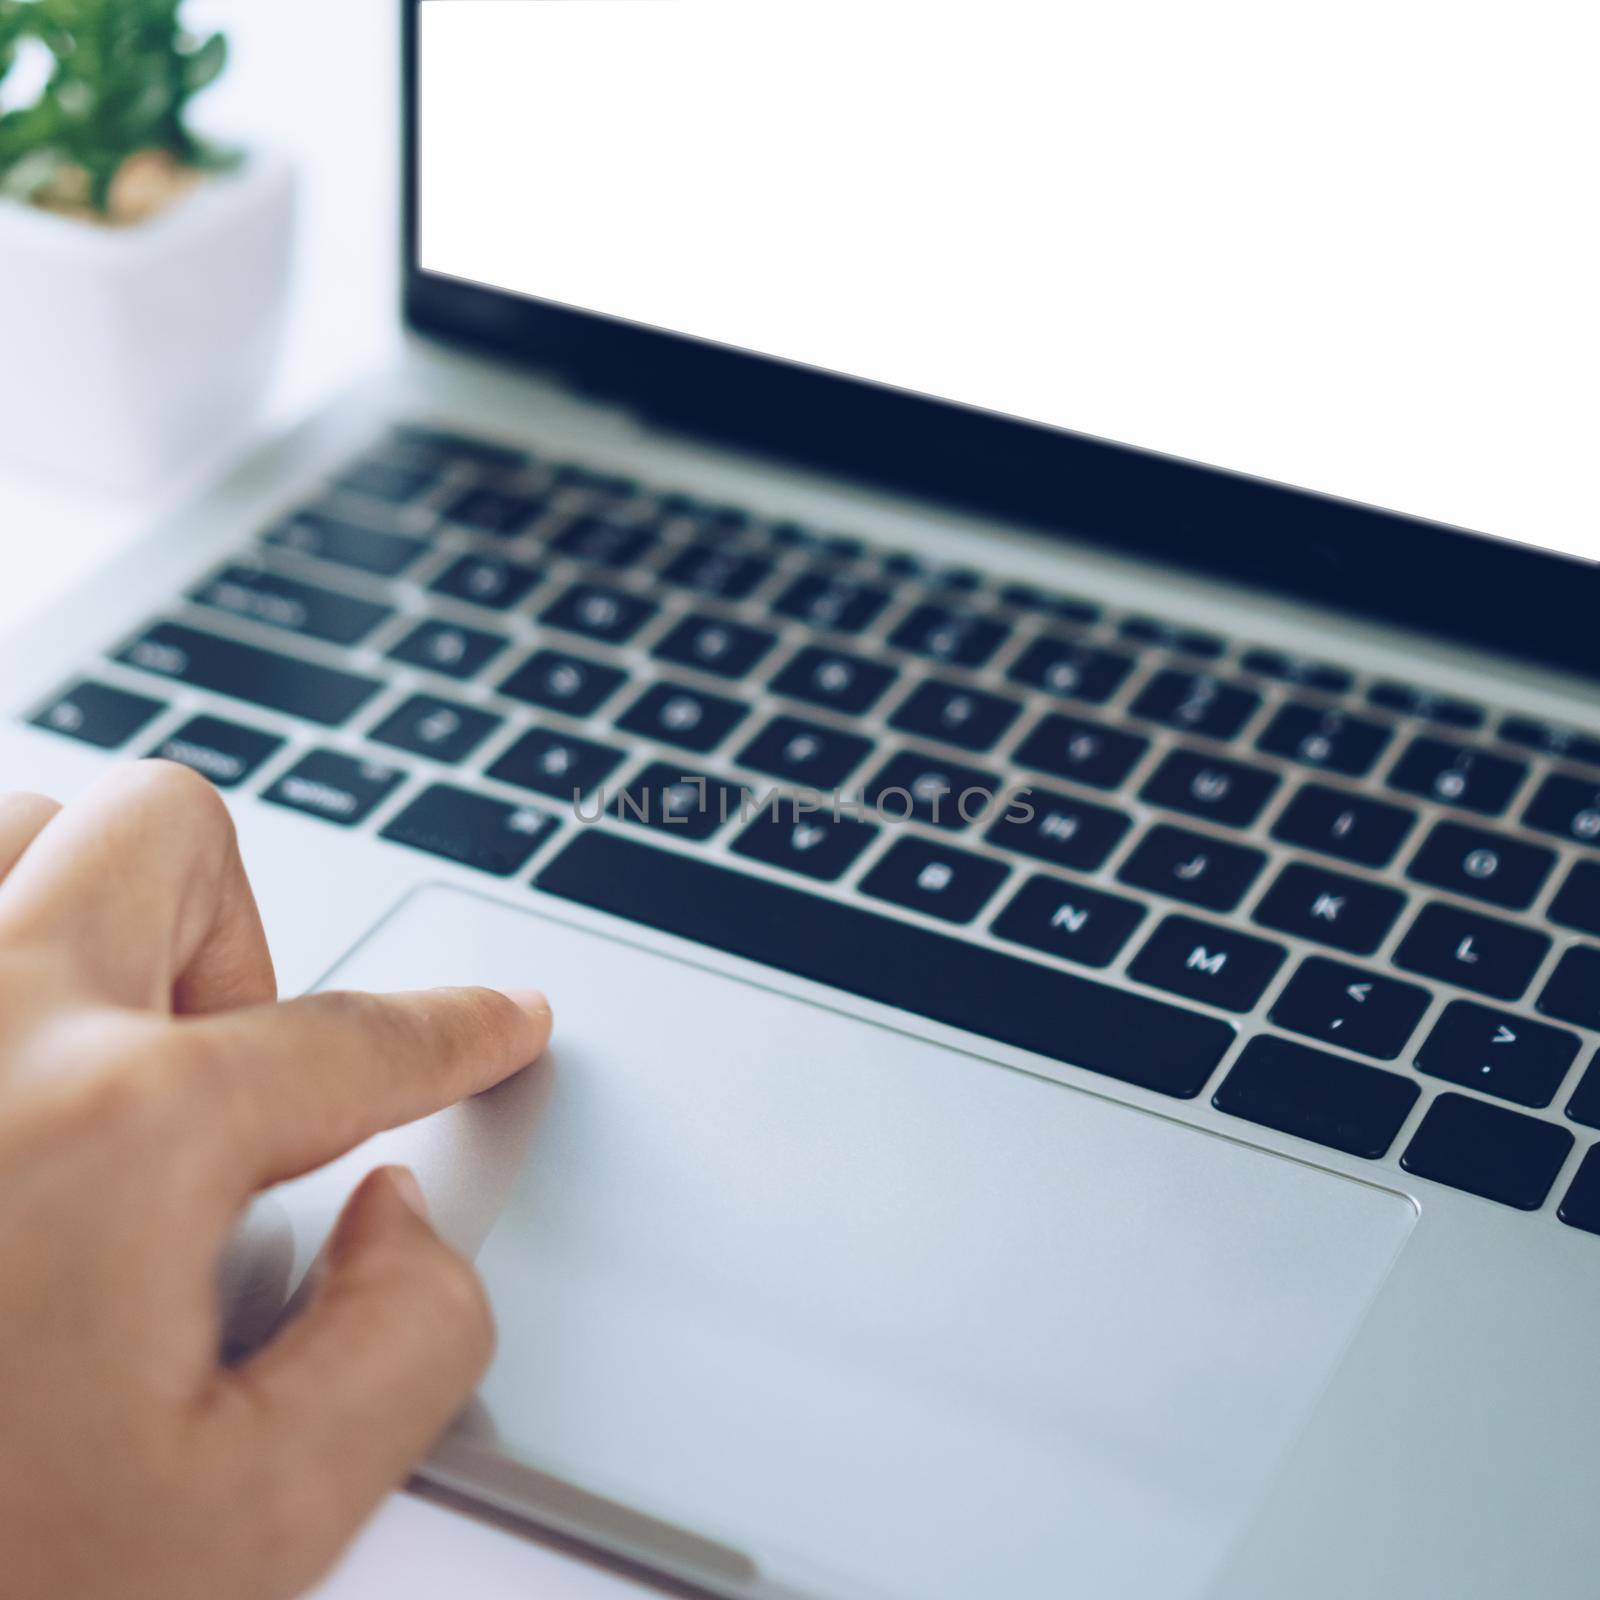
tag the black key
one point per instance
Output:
(827, 601)
(971, 718)
(1458, 775)
(556, 764)
(1071, 609)
(1577, 904)
(1431, 707)
(961, 638)
(1170, 636)
(1482, 865)
(1086, 752)
(1320, 736)
(1567, 807)
(710, 569)
(931, 789)
(1207, 786)
(1498, 1053)
(1584, 1106)
(687, 717)
(816, 844)
(1360, 1010)
(1326, 906)
(1192, 867)
(608, 615)
(494, 511)
(1348, 826)
(225, 752)
(833, 679)
(805, 753)
(949, 884)
(1207, 962)
(1488, 1151)
(559, 682)
(729, 649)
(791, 536)
(484, 581)
(435, 728)
(605, 542)
(346, 544)
(1573, 992)
(897, 564)
(1059, 829)
(1079, 671)
(261, 677)
(302, 608)
(684, 805)
(1069, 920)
(448, 648)
(1550, 740)
(1495, 958)
(956, 580)
(396, 482)
(485, 834)
(1297, 669)
(1581, 1208)
(1313, 1095)
(338, 788)
(946, 979)
(841, 547)
(1196, 702)
(94, 714)
(714, 520)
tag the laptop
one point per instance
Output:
(1077, 1013)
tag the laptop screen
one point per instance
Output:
(946, 198)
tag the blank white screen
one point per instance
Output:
(1211, 231)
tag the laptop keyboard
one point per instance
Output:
(1138, 848)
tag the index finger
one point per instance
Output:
(307, 1080)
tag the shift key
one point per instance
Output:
(245, 672)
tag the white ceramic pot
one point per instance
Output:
(127, 352)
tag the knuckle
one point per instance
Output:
(170, 785)
(173, 796)
(128, 1093)
(350, 1010)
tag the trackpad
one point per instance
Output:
(858, 1314)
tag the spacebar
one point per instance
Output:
(968, 986)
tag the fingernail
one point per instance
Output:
(409, 1190)
(533, 1001)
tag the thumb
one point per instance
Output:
(388, 1351)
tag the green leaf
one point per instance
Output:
(206, 64)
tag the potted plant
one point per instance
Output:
(143, 271)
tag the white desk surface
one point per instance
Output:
(318, 80)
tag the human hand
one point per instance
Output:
(149, 1087)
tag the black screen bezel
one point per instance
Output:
(1460, 586)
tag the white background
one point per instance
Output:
(1344, 245)
(1348, 247)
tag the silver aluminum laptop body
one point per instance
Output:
(1268, 1368)
(807, 1293)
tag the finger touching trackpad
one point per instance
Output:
(858, 1314)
